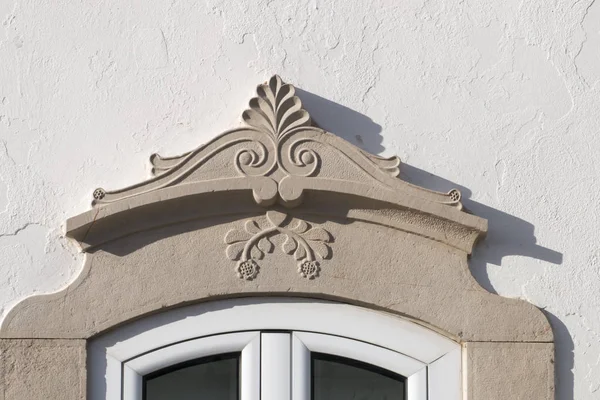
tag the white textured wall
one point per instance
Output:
(497, 97)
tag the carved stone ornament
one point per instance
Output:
(276, 202)
(278, 155)
(251, 243)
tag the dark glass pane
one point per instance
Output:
(213, 378)
(337, 378)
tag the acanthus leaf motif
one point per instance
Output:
(276, 109)
(279, 140)
(254, 117)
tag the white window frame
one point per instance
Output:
(248, 343)
(303, 343)
(119, 359)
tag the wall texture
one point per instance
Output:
(499, 98)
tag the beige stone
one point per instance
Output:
(396, 271)
(42, 369)
(281, 207)
(516, 371)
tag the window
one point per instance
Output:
(215, 378)
(343, 378)
(273, 349)
(275, 206)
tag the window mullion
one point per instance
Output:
(275, 382)
(250, 371)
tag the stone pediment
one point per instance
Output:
(282, 159)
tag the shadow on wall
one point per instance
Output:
(356, 128)
(507, 234)
(565, 358)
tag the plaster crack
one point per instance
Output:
(584, 42)
(21, 229)
(7, 153)
(165, 45)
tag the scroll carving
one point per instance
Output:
(277, 149)
(298, 238)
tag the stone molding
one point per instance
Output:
(279, 157)
(291, 210)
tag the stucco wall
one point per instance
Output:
(499, 98)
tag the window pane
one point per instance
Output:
(337, 378)
(211, 378)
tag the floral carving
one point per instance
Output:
(454, 195)
(298, 238)
(247, 269)
(276, 109)
(99, 194)
(309, 269)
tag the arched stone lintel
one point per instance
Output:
(54, 317)
(231, 196)
(152, 271)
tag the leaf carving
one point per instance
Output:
(317, 234)
(276, 109)
(289, 106)
(265, 108)
(252, 227)
(300, 253)
(289, 245)
(266, 245)
(300, 240)
(256, 253)
(276, 218)
(300, 227)
(294, 120)
(257, 119)
(234, 251)
(390, 165)
(322, 249)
